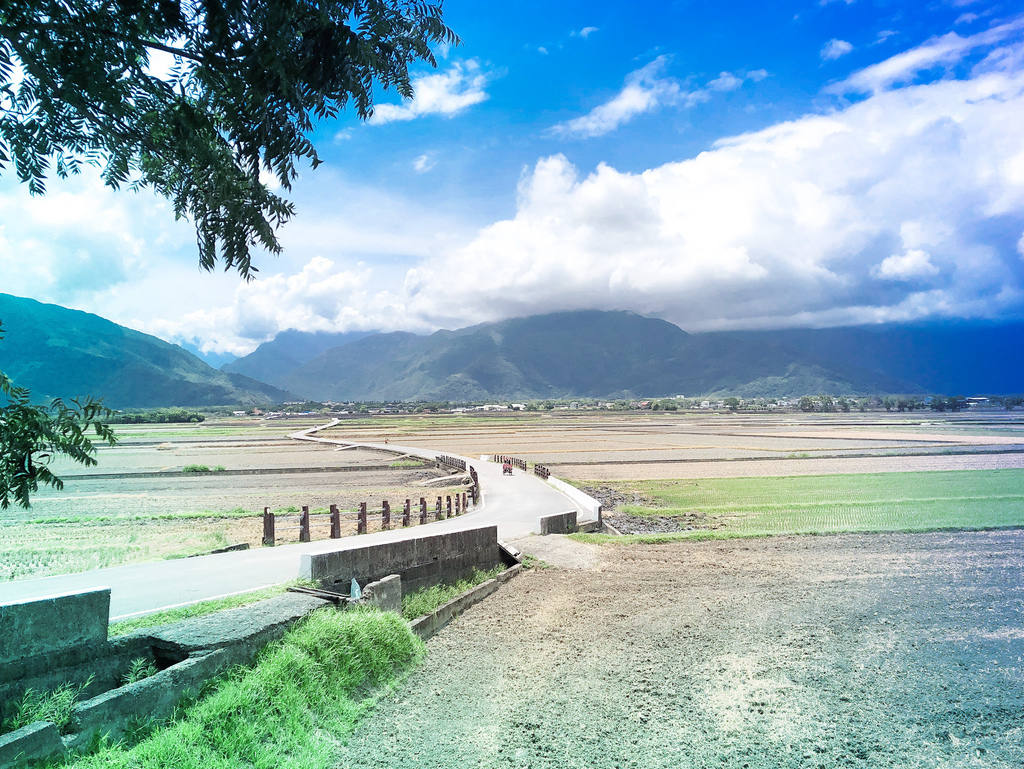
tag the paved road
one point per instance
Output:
(511, 503)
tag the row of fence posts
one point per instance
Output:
(443, 508)
(458, 464)
(541, 471)
(514, 461)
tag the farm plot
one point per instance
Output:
(864, 651)
(134, 507)
(832, 503)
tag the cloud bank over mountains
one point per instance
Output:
(904, 201)
(908, 204)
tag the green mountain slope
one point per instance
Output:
(589, 353)
(287, 351)
(57, 352)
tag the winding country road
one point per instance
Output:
(511, 503)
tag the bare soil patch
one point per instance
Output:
(894, 650)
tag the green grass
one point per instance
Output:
(54, 706)
(407, 463)
(195, 469)
(917, 501)
(427, 600)
(304, 696)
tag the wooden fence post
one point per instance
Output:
(458, 507)
(407, 512)
(335, 523)
(385, 515)
(423, 510)
(361, 526)
(438, 512)
(448, 507)
(464, 508)
(268, 527)
(304, 524)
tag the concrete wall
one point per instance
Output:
(421, 562)
(585, 502)
(559, 523)
(44, 625)
(429, 624)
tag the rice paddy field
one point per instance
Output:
(746, 473)
(915, 501)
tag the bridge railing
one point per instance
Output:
(366, 519)
(504, 459)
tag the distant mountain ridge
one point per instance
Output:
(574, 354)
(288, 351)
(955, 358)
(57, 352)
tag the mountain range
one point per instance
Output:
(57, 352)
(621, 354)
(62, 353)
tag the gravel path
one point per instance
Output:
(847, 651)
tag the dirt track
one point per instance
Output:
(856, 650)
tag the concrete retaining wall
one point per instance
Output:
(43, 625)
(189, 653)
(421, 562)
(585, 502)
(559, 523)
(429, 624)
(30, 743)
(155, 697)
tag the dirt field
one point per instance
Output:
(847, 651)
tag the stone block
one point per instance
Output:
(385, 594)
(30, 743)
(43, 625)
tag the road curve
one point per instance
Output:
(512, 503)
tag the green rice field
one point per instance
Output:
(918, 501)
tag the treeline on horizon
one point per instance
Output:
(821, 403)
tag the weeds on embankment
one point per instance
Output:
(303, 697)
(425, 601)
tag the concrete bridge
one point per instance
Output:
(512, 503)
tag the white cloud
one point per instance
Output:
(541, 49)
(894, 208)
(757, 75)
(1020, 246)
(441, 93)
(835, 48)
(645, 90)
(585, 32)
(424, 163)
(941, 51)
(915, 263)
(726, 81)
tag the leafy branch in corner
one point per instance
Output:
(247, 82)
(32, 436)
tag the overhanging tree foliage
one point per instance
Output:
(235, 101)
(247, 81)
(32, 435)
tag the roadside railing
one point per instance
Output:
(514, 461)
(365, 520)
(541, 471)
(444, 459)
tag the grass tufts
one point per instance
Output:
(54, 706)
(305, 695)
(425, 601)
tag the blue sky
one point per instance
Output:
(742, 165)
